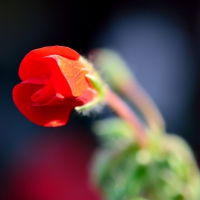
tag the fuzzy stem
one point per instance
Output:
(133, 91)
(114, 67)
(126, 113)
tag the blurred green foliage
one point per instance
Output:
(165, 170)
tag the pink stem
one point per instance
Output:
(140, 98)
(126, 113)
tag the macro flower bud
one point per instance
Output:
(55, 80)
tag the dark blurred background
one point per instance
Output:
(159, 40)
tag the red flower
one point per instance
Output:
(53, 84)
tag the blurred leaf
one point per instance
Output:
(113, 132)
(165, 170)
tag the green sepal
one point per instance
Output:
(100, 87)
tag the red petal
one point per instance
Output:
(87, 96)
(55, 50)
(34, 68)
(57, 115)
(32, 64)
(39, 80)
(61, 83)
(45, 94)
(74, 74)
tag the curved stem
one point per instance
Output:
(134, 92)
(126, 113)
(114, 67)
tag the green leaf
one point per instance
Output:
(167, 171)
